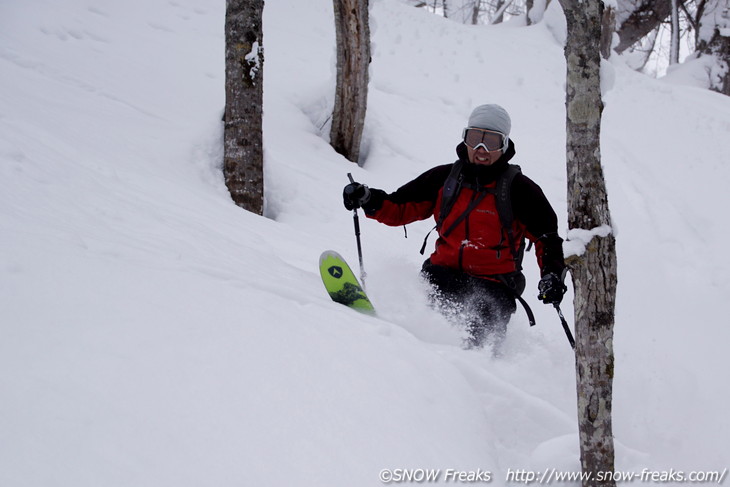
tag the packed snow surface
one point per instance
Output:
(153, 333)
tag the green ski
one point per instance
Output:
(341, 284)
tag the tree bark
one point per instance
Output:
(528, 7)
(475, 11)
(243, 155)
(676, 33)
(353, 59)
(593, 273)
(608, 28)
(499, 10)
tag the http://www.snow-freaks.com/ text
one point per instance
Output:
(548, 476)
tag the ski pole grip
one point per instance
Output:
(349, 189)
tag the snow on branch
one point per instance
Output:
(578, 239)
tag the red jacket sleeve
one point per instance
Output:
(415, 200)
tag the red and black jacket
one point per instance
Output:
(478, 245)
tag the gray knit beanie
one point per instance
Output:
(491, 117)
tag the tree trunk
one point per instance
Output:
(476, 10)
(535, 11)
(593, 273)
(529, 4)
(608, 29)
(243, 154)
(676, 32)
(353, 58)
(499, 9)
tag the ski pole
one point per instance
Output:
(565, 325)
(356, 221)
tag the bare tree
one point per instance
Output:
(713, 41)
(636, 19)
(352, 29)
(462, 11)
(476, 9)
(243, 154)
(608, 28)
(676, 34)
(500, 8)
(642, 51)
(594, 272)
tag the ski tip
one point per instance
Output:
(329, 254)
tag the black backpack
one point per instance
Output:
(503, 201)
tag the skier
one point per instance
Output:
(484, 209)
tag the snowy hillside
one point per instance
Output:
(152, 333)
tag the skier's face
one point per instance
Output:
(482, 156)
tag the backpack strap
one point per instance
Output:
(506, 214)
(503, 201)
(452, 188)
(515, 283)
(479, 196)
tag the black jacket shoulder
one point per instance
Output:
(425, 187)
(531, 207)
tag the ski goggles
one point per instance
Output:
(489, 139)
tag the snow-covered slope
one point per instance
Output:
(151, 333)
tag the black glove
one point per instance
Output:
(551, 289)
(355, 195)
